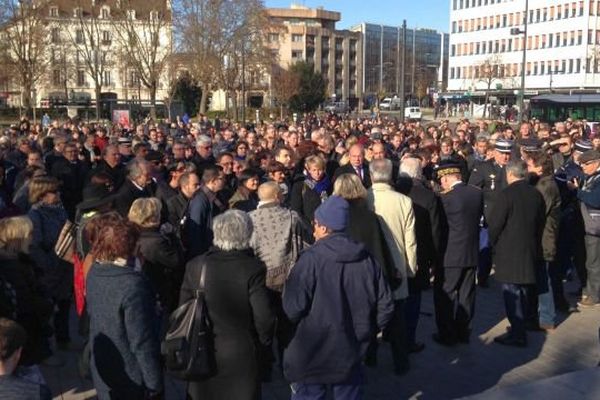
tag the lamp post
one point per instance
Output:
(517, 31)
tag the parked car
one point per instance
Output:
(338, 107)
(385, 104)
(389, 104)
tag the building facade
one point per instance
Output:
(310, 35)
(83, 42)
(425, 66)
(562, 45)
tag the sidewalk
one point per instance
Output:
(481, 368)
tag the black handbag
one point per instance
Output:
(188, 346)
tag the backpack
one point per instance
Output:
(188, 345)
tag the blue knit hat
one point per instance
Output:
(333, 213)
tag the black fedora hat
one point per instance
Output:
(94, 196)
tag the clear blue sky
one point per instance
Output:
(433, 14)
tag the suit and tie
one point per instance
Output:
(362, 171)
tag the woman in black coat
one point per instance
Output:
(238, 305)
(363, 224)
(159, 250)
(26, 304)
(56, 276)
(308, 194)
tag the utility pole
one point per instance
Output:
(402, 71)
(414, 61)
(243, 83)
(398, 61)
(517, 31)
(381, 61)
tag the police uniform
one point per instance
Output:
(491, 179)
(454, 289)
(571, 245)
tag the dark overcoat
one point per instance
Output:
(463, 208)
(516, 225)
(242, 317)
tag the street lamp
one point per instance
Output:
(517, 31)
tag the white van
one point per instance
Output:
(413, 113)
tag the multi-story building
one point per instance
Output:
(310, 35)
(562, 45)
(425, 66)
(83, 43)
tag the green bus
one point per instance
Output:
(553, 108)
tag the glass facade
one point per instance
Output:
(383, 47)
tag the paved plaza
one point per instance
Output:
(480, 370)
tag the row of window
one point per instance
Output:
(460, 4)
(513, 70)
(104, 13)
(79, 36)
(58, 78)
(310, 40)
(534, 42)
(539, 15)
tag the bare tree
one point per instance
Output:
(145, 42)
(62, 68)
(222, 38)
(90, 42)
(285, 85)
(174, 69)
(24, 42)
(489, 71)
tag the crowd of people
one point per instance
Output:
(309, 239)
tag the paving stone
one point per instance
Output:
(481, 368)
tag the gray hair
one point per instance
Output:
(203, 140)
(232, 230)
(411, 167)
(518, 168)
(381, 171)
(135, 168)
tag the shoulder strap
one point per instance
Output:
(202, 277)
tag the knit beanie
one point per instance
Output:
(333, 213)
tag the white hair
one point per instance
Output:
(411, 167)
(203, 140)
(381, 171)
(232, 230)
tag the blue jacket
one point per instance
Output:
(337, 296)
(589, 193)
(123, 333)
(197, 232)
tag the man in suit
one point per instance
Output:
(491, 178)
(428, 213)
(454, 287)
(516, 224)
(72, 173)
(357, 165)
(135, 187)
